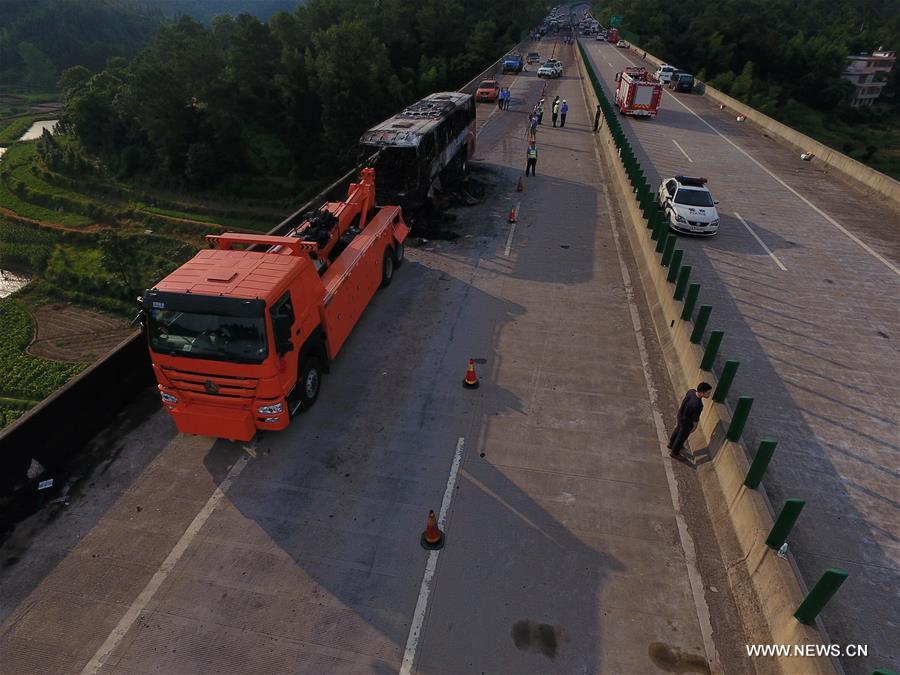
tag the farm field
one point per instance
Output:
(26, 379)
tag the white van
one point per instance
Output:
(664, 73)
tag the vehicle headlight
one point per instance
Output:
(679, 219)
(715, 223)
(270, 409)
(168, 398)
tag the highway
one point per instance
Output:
(573, 542)
(803, 279)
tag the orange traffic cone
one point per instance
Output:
(519, 186)
(512, 214)
(432, 537)
(471, 381)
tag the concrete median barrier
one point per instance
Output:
(768, 589)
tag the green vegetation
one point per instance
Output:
(206, 10)
(41, 38)
(12, 129)
(26, 379)
(260, 109)
(783, 58)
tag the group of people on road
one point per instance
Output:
(559, 110)
(504, 98)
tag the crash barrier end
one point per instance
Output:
(819, 596)
(712, 349)
(760, 462)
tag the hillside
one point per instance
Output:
(205, 10)
(41, 38)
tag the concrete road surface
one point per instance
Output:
(803, 279)
(573, 542)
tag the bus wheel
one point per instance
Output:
(399, 254)
(387, 268)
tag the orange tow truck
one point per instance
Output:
(240, 338)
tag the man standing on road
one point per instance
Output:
(540, 112)
(533, 121)
(507, 99)
(597, 117)
(563, 111)
(688, 416)
(555, 110)
(531, 158)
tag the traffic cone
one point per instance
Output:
(432, 537)
(471, 381)
(512, 214)
(519, 186)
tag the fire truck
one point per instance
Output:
(241, 334)
(637, 92)
(612, 35)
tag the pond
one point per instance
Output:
(10, 282)
(38, 128)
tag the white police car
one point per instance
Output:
(688, 205)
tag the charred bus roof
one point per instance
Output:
(406, 129)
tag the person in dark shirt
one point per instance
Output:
(688, 416)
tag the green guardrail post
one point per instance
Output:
(663, 238)
(784, 522)
(739, 420)
(675, 265)
(712, 348)
(690, 301)
(884, 671)
(669, 249)
(760, 463)
(725, 380)
(820, 595)
(681, 285)
(652, 222)
(659, 229)
(700, 324)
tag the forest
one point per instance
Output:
(41, 38)
(249, 107)
(205, 11)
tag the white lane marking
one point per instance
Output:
(755, 236)
(815, 208)
(687, 542)
(415, 629)
(682, 151)
(140, 603)
(512, 231)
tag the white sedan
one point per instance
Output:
(688, 205)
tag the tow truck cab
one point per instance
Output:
(240, 338)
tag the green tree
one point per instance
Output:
(38, 70)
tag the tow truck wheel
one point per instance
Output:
(387, 268)
(309, 382)
(399, 254)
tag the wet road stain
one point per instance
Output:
(673, 660)
(540, 638)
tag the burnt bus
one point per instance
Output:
(423, 149)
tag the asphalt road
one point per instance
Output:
(573, 543)
(803, 279)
